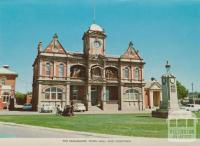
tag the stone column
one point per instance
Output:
(54, 70)
(67, 94)
(39, 97)
(68, 71)
(120, 91)
(89, 95)
(160, 97)
(103, 96)
(143, 98)
(151, 99)
(89, 71)
(40, 69)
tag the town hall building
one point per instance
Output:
(99, 81)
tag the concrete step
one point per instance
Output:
(94, 109)
(111, 107)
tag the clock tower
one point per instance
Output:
(169, 90)
(94, 41)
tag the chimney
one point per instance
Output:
(6, 66)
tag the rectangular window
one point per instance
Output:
(60, 96)
(61, 70)
(48, 69)
(53, 96)
(47, 96)
(136, 74)
(3, 81)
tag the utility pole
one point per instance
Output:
(193, 93)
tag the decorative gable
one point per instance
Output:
(155, 86)
(55, 46)
(131, 52)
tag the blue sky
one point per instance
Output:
(160, 30)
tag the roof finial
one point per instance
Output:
(94, 11)
(39, 47)
(130, 44)
(55, 36)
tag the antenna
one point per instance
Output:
(94, 10)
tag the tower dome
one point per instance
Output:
(95, 27)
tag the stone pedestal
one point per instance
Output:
(160, 113)
(180, 114)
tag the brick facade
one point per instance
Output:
(7, 86)
(91, 77)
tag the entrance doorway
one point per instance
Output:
(111, 93)
(94, 95)
(156, 98)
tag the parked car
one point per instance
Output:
(27, 106)
(193, 107)
(78, 107)
(46, 108)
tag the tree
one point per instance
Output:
(182, 90)
(198, 95)
(19, 97)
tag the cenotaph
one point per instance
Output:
(169, 106)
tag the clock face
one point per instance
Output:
(172, 80)
(97, 44)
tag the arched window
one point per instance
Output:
(61, 70)
(96, 72)
(126, 72)
(111, 72)
(77, 71)
(53, 93)
(136, 73)
(48, 69)
(131, 95)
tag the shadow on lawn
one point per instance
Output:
(143, 116)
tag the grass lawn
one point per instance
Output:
(141, 125)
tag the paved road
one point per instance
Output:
(30, 135)
(6, 112)
(18, 131)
